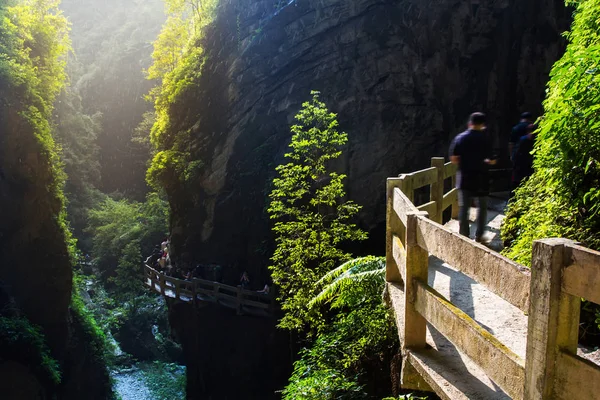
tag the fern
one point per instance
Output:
(354, 274)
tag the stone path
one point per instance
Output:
(462, 378)
(131, 385)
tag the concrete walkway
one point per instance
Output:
(455, 372)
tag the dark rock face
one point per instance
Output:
(229, 356)
(402, 76)
(35, 271)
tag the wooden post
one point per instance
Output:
(406, 185)
(393, 227)
(553, 317)
(415, 328)
(417, 263)
(177, 289)
(162, 284)
(437, 189)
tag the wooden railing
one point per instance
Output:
(199, 290)
(561, 274)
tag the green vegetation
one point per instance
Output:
(123, 231)
(97, 344)
(25, 342)
(166, 381)
(33, 46)
(562, 198)
(312, 218)
(351, 336)
(351, 356)
(178, 64)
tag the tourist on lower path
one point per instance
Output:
(472, 152)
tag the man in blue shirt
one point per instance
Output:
(472, 151)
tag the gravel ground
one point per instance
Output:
(131, 385)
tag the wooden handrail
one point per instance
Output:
(562, 273)
(207, 291)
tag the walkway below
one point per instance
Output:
(199, 291)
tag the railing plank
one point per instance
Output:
(423, 177)
(450, 198)
(576, 378)
(450, 170)
(216, 290)
(403, 205)
(430, 208)
(582, 277)
(399, 253)
(503, 366)
(256, 304)
(500, 275)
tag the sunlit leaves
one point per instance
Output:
(360, 337)
(312, 219)
(562, 197)
(122, 231)
(178, 64)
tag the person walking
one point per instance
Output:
(518, 131)
(523, 158)
(472, 152)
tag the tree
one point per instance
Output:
(313, 219)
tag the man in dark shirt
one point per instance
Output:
(518, 131)
(523, 159)
(472, 151)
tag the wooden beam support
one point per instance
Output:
(553, 317)
(450, 170)
(576, 378)
(393, 227)
(500, 275)
(430, 208)
(422, 178)
(417, 264)
(450, 198)
(503, 366)
(436, 194)
(582, 277)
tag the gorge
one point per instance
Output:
(401, 75)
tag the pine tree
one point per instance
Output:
(313, 219)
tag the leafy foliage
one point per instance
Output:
(178, 63)
(361, 339)
(99, 346)
(122, 231)
(23, 341)
(312, 218)
(166, 381)
(562, 197)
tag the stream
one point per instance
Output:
(150, 381)
(130, 384)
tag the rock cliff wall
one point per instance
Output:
(403, 75)
(229, 356)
